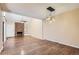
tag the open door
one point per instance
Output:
(1, 35)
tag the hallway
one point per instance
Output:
(29, 45)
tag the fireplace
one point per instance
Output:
(19, 29)
(19, 33)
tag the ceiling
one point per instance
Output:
(12, 17)
(37, 10)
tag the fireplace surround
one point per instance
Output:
(19, 29)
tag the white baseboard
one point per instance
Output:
(1, 49)
(26, 34)
(36, 37)
(64, 43)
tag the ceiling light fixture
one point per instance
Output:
(50, 18)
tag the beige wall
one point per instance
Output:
(35, 28)
(25, 28)
(65, 30)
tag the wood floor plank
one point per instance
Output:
(28, 45)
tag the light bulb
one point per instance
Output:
(50, 21)
(53, 20)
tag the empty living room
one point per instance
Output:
(39, 28)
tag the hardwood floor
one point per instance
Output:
(31, 46)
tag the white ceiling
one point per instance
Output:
(12, 17)
(38, 10)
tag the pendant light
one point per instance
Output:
(51, 18)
